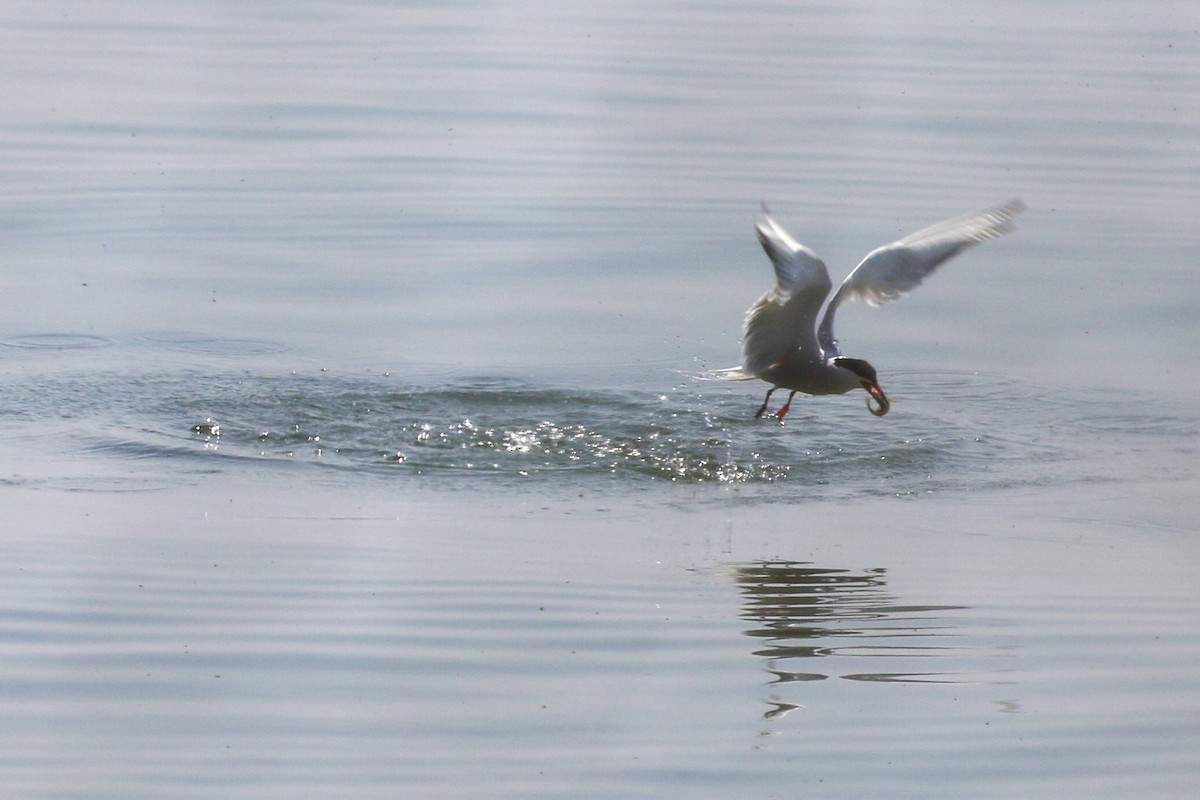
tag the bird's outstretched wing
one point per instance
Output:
(892, 271)
(784, 319)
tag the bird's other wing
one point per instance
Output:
(784, 319)
(892, 271)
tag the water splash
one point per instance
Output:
(959, 434)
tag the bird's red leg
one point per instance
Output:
(763, 409)
(781, 412)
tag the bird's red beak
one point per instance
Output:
(876, 391)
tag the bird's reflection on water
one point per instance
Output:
(801, 612)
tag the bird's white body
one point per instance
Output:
(782, 343)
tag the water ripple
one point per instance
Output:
(805, 616)
(57, 341)
(953, 433)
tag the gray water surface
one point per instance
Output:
(353, 441)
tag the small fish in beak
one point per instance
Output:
(874, 390)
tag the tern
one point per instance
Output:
(781, 341)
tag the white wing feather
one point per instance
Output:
(892, 271)
(784, 319)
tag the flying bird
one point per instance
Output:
(781, 341)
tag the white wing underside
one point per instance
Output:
(892, 271)
(783, 320)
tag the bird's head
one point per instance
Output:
(869, 380)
